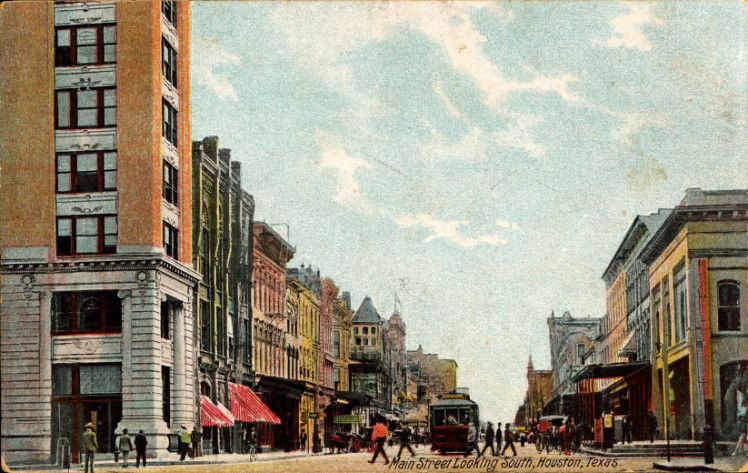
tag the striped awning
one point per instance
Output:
(247, 407)
(212, 415)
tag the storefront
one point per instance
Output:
(249, 412)
(283, 398)
(81, 394)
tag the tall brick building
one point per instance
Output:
(97, 280)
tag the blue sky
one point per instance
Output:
(481, 160)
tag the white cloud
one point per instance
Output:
(500, 222)
(448, 231)
(320, 34)
(335, 157)
(517, 135)
(628, 29)
(634, 123)
(471, 146)
(206, 57)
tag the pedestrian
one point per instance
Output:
(651, 425)
(124, 443)
(302, 440)
(472, 441)
(742, 425)
(405, 435)
(196, 436)
(508, 441)
(498, 439)
(185, 443)
(379, 435)
(90, 445)
(626, 429)
(140, 443)
(489, 440)
(608, 429)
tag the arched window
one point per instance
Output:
(205, 388)
(729, 305)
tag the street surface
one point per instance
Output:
(527, 459)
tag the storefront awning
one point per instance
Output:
(608, 370)
(212, 415)
(247, 407)
(629, 345)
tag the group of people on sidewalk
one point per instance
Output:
(124, 444)
(490, 435)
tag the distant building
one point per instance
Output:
(398, 362)
(539, 391)
(270, 253)
(369, 373)
(570, 339)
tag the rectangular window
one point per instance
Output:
(62, 380)
(169, 62)
(166, 394)
(580, 353)
(221, 326)
(169, 10)
(85, 45)
(728, 311)
(86, 312)
(100, 379)
(169, 122)
(171, 241)
(93, 108)
(171, 184)
(165, 318)
(86, 172)
(246, 341)
(86, 235)
(205, 326)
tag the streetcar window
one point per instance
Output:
(453, 415)
(439, 418)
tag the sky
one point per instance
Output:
(480, 160)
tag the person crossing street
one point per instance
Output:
(508, 441)
(489, 440)
(379, 435)
(405, 435)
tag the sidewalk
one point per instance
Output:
(173, 459)
(697, 464)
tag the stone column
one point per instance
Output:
(141, 365)
(181, 412)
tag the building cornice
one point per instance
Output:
(114, 262)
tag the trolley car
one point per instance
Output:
(449, 418)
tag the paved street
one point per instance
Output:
(527, 460)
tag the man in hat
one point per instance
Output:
(141, 442)
(89, 446)
(185, 443)
(379, 435)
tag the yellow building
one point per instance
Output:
(308, 322)
(698, 273)
(96, 224)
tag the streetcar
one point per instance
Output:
(449, 418)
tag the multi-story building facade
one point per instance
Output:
(342, 325)
(698, 273)
(270, 253)
(624, 337)
(222, 229)
(306, 299)
(329, 293)
(369, 374)
(97, 281)
(539, 391)
(398, 361)
(434, 376)
(570, 339)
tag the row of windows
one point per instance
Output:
(86, 172)
(93, 108)
(86, 235)
(86, 312)
(85, 45)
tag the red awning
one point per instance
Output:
(247, 407)
(211, 415)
